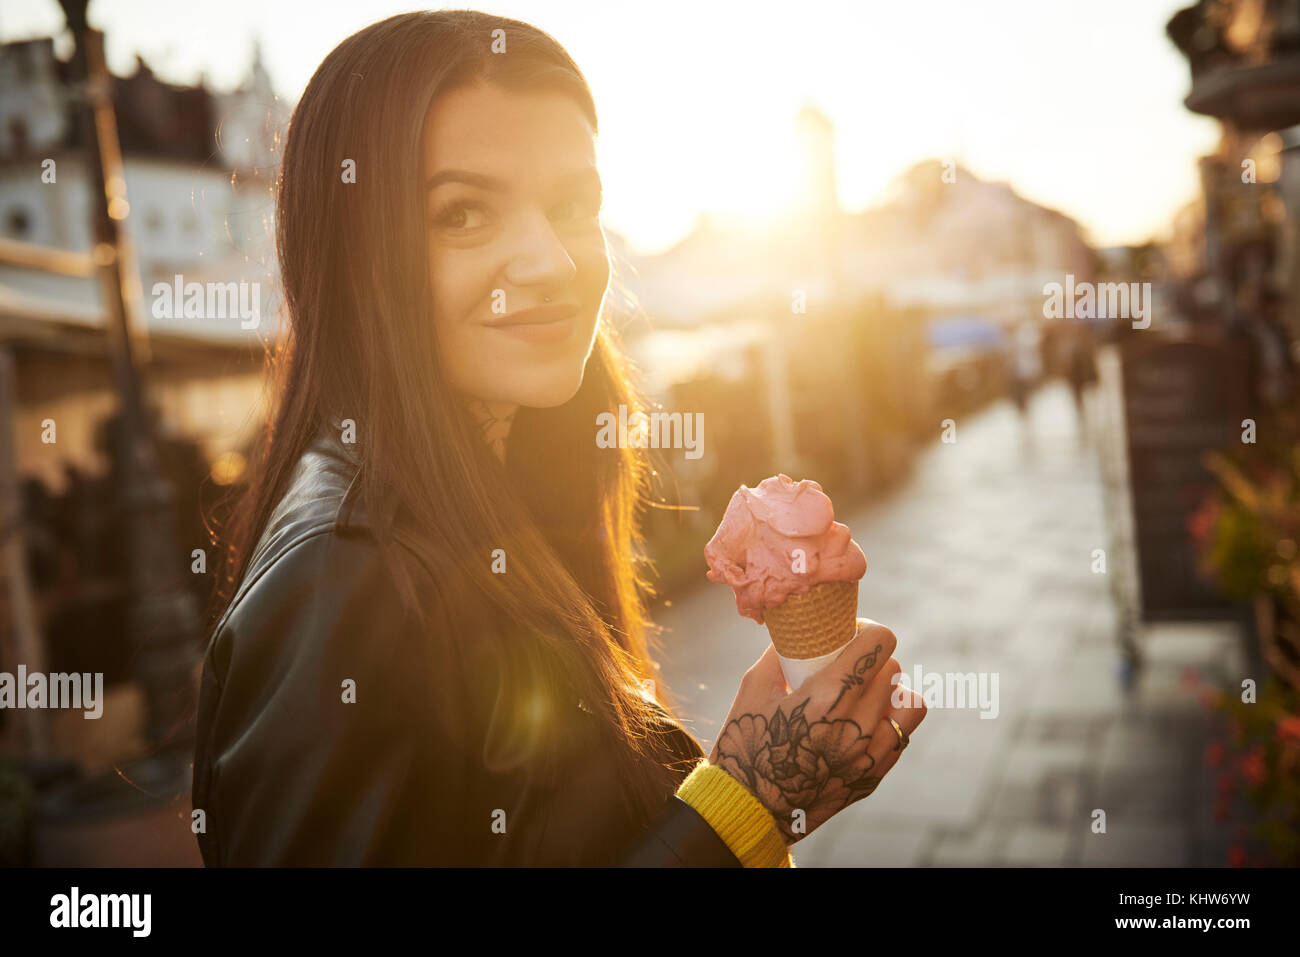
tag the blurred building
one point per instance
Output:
(1244, 57)
(199, 167)
(833, 342)
(951, 241)
(919, 291)
(945, 241)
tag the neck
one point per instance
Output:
(493, 420)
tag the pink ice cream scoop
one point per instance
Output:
(780, 539)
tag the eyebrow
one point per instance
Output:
(483, 181)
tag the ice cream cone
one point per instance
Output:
(809, 629)
(793, 568)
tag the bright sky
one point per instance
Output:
(1077, 103)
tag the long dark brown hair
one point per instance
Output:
(361, 344)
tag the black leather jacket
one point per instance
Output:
(425, 765)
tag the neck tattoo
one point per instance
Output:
(493, 420)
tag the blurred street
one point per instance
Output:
(1054, 394)
(983, 563)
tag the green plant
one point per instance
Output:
(1247, 532)
(1248, 528)
(17, 802)
(1263, 759)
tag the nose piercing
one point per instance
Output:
(546, 298)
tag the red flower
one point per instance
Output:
(1209, 698)
(1201, 522)
(1191, 678)
(1224, 783)
(1221, 808)
(1236, 856)
(1253, 767)
(1288, 728)
(1214, 754)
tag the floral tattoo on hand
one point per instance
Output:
(790, 763)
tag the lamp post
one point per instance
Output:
(162, 619)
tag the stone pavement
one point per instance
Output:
(983, 562)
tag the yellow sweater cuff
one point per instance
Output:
(740, 819)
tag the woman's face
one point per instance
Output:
(513, 217)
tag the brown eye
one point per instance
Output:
(580, 207)
(456, 217)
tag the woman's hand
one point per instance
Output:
(826, 745)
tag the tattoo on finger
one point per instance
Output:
(854, 677)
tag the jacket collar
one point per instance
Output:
(323, 492)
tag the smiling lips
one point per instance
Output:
(542, 315)
(543, 324)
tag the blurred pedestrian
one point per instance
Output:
(1080, 372)
(1026, 363)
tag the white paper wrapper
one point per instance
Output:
(799, 670)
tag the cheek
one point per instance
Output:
(459, 282)
(462, 281)
(592, 260)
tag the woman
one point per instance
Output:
(433, 649)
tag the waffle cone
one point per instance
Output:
(815, 623)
